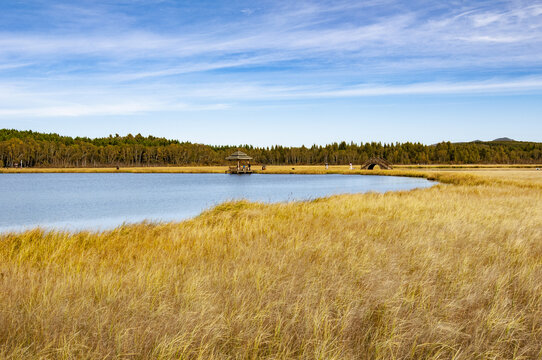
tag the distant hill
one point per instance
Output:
(503, 139)
(478, 141)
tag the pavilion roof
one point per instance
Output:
(239, 155)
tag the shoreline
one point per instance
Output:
(472, 177)
(271, 169)
(51, 228)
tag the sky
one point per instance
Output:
(273, 72)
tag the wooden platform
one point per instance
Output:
(240, 171)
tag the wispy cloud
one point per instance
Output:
(436, 88)
(8, 66)
(266, 92)
(77, 110)
(304, 30)
(17, 101)
(325, 50)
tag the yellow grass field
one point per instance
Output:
(449, 272)
(282, 169)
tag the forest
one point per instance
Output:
(34, 149)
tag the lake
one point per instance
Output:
(104, 201)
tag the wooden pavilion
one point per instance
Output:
(240, 168)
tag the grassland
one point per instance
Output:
(449, 272)
(271, 169)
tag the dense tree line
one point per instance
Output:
(32, 149)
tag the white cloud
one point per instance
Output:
(77, 110)
(495, 39)
(480, 20)
(300, 31)
(270, 93)
(11, 66)
(85, 73)
(46, 102)
(122, 109)
(435, 88)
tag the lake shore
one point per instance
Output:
(525, 175)
(270, 169)
(56, 200)
(452, 271)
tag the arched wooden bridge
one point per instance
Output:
(372, 162)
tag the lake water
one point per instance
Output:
(104, 201)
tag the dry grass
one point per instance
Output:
(136, 169)
(271, 169)
(472, 166)
(450, 272)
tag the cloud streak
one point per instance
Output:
(20, 102)
(310, 30)
(278, 51)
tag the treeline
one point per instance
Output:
(32, 149)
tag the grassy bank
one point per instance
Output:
(453, 271)
(271, 169)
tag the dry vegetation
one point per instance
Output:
(450, 272)
(271, 169)
(135, 169)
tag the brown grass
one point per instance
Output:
(449, 272)
(271, 169)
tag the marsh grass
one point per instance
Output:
(449, 272)
(271, 169)
(138, 169)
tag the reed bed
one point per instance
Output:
(270, 169)
(449, 272)
(134, 169)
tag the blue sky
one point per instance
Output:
(273, 72)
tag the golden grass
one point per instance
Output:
(472, 166)
(271, 169)
(135, 169)
(449, 272)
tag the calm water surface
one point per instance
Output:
(104, 201)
